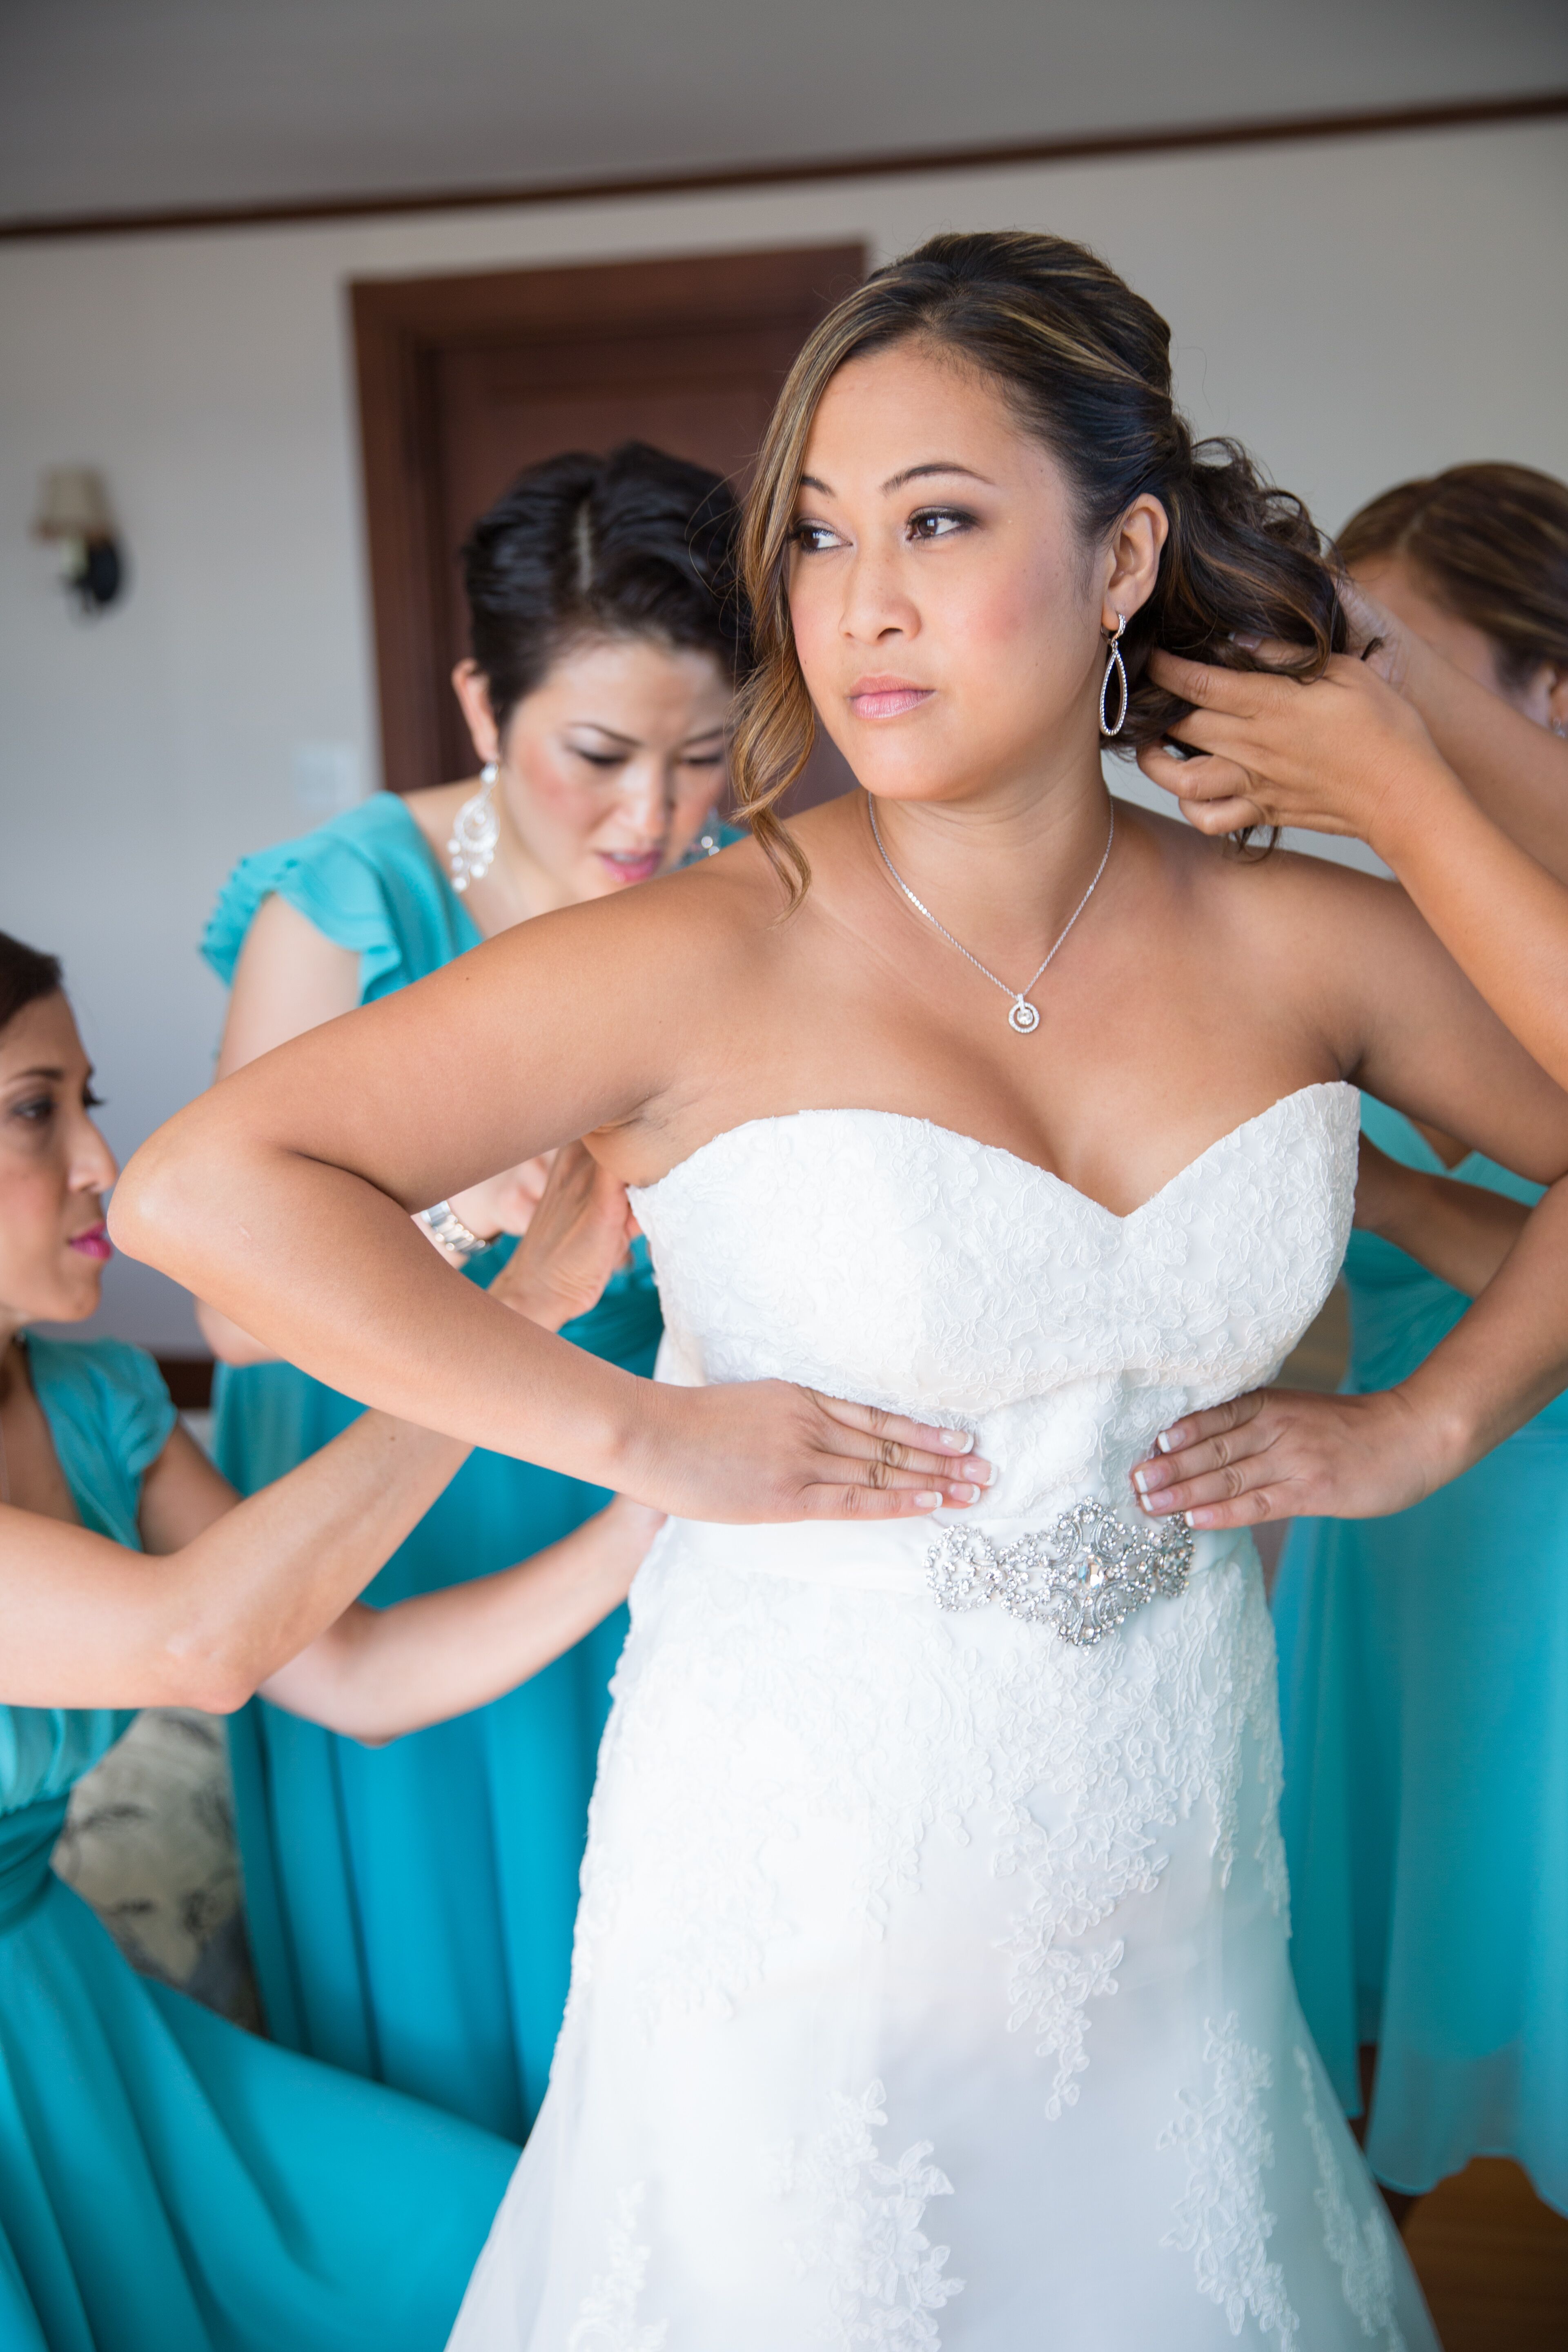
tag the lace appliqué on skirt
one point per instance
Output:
(882, 2276)
(1361, 2251)
(607, 2319)
(1222, 2220)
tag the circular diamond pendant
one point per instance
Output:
(1023, 1018)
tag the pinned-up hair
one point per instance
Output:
(637, 544)
(26, 975)
(1085, 365)
(1490, 542)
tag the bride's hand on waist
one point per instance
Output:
(765, 1451)
(1288, 1454)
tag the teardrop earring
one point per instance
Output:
(476, 829)
(1114, 663)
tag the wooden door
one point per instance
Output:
(464, 381)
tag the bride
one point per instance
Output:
(931, 1986)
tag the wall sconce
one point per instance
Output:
(73, 508)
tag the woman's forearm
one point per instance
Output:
(1516, 771)
(379, 1672)
(90, 1624)
(1507, 1359)
(1501, 915)
(1461, 1233)
(323, 1266)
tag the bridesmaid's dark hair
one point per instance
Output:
(637, 544)
(1086, 364)
(26, 974)
(1491, 543)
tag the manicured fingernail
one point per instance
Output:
(980, 1470)
(964, 1494)
(928, 1502)
(956, 1441)
(1192, 1518)
(1166, 1441)
(1141, 1480)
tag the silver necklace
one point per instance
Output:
(1022, 1016)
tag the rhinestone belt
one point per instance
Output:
(1083, 1575)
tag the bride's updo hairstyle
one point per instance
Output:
(637, 544)
(1086, 364)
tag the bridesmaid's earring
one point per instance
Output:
(476, 830)
(1114, 665)
(708, 843)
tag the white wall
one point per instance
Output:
(1358, 311)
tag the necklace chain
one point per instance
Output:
(1023, 1016)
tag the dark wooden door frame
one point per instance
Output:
(398, 323)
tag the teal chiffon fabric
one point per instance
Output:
(168, 2183)
(411, 1908)
(1424, 1685)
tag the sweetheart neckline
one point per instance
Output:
(995, 1150)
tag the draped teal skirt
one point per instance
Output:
(411, 1907)
(170, 2184)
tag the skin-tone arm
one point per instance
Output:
(1349, 755)
(1278, 1454)
(229, 1591)
(1461, 1233)
(289, 978)
(379, 1672)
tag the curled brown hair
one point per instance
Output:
(1490, 545)
(1086, 364)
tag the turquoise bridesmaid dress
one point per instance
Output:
(411, 1907)
(168, 2183)
(1423, 1688)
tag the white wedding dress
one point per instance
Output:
(930, 1990)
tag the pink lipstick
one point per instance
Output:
(94, 1244)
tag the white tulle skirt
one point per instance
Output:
(931, 1991)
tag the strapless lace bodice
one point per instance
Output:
(930, 1989)
(897, 1263)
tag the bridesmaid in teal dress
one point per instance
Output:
(167, 2183)
(411, 1912)
(1424, 1658)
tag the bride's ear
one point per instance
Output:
(1132, 558)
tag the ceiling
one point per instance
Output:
(138, 105)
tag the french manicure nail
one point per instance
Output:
(1165, 1442)
(1191, 1517)
(980, 1471)
(928, 1502)
(1141, 1480)
(965, 1493)
(956, 1441)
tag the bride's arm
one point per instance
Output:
(283, 1198)
(1348, 755)
(1418, 1037)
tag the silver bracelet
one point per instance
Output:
(444, 1225)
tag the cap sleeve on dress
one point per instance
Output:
(111, 1416)
(138, 1408)
(366, 880)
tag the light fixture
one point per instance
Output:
(74, 509)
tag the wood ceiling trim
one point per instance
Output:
(1262, 130)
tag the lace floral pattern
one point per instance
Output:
(1360, 2249)
(607, 2319)
(1222, 2219)
(854, 1858)
(863, 2241)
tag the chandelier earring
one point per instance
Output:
(476, 829)
(1114, 666)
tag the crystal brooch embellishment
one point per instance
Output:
(1083, 1576)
